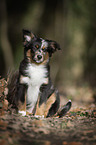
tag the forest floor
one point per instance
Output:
(77, 127)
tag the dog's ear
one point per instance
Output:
(52, 47)
(27, 36)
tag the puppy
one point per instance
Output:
(31, 90)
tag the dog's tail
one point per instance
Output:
(63, 110)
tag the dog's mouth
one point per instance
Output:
(38, 58)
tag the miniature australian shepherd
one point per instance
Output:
(30, 89)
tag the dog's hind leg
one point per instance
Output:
(55, 105)
(63, 110)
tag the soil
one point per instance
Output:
(77, 127)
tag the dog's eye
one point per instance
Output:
(43, 47)
(37, 46)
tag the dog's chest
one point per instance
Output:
(37, 74)
(36, 77)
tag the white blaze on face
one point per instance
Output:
(40, 51)
(44, 43)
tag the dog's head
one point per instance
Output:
(38, 49)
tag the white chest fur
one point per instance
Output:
(36, 77)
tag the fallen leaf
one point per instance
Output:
(3, 125)
(3, 142)
(75, 143)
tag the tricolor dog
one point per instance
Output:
(31, 90)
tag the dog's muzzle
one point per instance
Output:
(38, 58)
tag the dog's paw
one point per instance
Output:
(23, 113)
(39, 116)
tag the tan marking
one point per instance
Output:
(22, 106)
(28, 54)
(40, 110)
(49, 103)
(21, 78)
(46, 57)
(43, 47)
(44, 108)
(37, 46)
(27, 113)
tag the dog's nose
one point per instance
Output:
(39, 57)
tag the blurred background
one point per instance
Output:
(71, 23)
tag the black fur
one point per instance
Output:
(55, 106)
(53, 46)
(64, 109)
(16, 91)
(46, 91)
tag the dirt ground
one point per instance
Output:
(77, 127)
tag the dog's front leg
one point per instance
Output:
(24, 80)
(22, 107)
